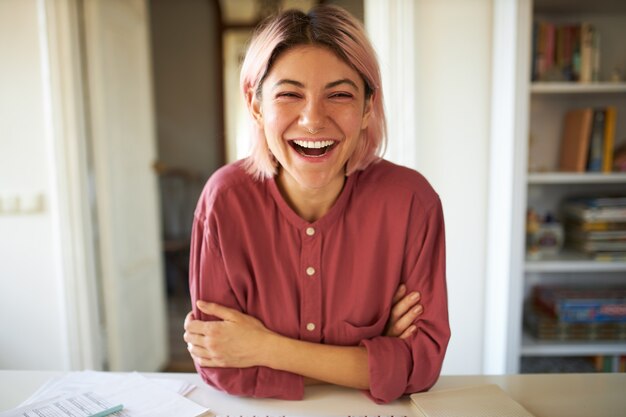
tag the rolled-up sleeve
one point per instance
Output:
(402, 366)
(208, 281)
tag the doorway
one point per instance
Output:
(187, 80)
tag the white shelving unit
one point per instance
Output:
(569, 88)
(532, 347)
(544, 188)
(574, 178)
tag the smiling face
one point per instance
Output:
(312, 109)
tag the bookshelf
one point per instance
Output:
(544, 187)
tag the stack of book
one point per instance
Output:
(577, 312)
(606, 363)
(588, 140)
(596, 226)
(567, 52)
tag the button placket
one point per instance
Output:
(311, 297)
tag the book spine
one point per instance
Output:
(596, 145)
(586, 52)
(550, 52)
(595, 66)
(576, 52)
(609, 138)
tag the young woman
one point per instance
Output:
(314, 260)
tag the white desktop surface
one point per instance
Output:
(555, 395)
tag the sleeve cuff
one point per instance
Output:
(257, 382)
(390, 362)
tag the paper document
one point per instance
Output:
(141, 396)
(86, 404)
(480, 401)
(77, 382)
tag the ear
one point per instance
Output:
(254, 106)
(367, 111)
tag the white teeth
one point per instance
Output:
(313, 145)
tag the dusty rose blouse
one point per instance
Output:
(331, 281)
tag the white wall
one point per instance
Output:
(450, 101)
(453, 88)
(31, 314)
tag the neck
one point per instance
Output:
(309, 203)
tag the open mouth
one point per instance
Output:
(313, 149)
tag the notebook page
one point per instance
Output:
(480, 401)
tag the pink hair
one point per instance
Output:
(330, 27)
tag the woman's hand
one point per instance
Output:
(405, 310)
(237, 341)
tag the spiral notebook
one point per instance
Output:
(479, 401)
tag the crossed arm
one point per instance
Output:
(239, 340)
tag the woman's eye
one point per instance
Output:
(287, 94)
(341, 95)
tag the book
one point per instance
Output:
(586, 52)
(477, 401)
(597, 235)
(556, 54)
(609, 138)
(597, 226)
(598, 246)
(596, 142)
(612, 256)
(575, 140)
(545, 326)
(582, 304)
(592, 209)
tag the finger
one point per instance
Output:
(405, 322)
(218, 310)
(205, 358)
(399, 293)
(194, 338)
(408, 332)
(198, 352)
(404, 305)
(188, 318)
(202, 328)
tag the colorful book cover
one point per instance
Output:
(582, 304)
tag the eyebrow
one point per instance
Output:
(329, 85)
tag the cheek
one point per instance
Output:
(275, 119)
(351, 123)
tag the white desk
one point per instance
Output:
(564, 395)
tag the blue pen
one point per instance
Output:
(109, 411)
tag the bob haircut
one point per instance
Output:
(330, 27)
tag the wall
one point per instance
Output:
(453, 44)
(31, 312)
(436, 61)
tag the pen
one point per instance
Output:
(108, 411)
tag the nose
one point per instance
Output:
(313, 116)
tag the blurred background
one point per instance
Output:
(113, 114)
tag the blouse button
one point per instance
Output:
(310, 327)
(310, 231)
(310, 271)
